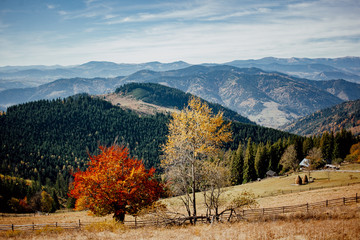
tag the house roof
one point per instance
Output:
(305, 162)
(270, 173)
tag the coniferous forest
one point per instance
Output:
(47, 140)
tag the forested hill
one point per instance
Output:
(171, 98)
(47, 139)
(342, 116)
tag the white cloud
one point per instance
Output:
(50, 6)
(194, 31)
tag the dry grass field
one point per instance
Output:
(274, 192)
(339, 223)
(332, 223)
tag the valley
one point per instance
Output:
(270, 99)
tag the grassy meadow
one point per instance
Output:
(332, 223)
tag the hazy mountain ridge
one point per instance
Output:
(342, 116)
(57, 89)
(268, 98)
(347, 68)
(32, 76)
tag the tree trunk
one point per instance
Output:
(119, 217)
(193, 189)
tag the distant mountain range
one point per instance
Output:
(33, 76)
(347, 68)
(267, 98)
(342, 116)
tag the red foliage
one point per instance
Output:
(115, 183)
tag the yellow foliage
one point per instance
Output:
(354, 155)
(194, 133)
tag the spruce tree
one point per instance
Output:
(237, 162)
(249, 168)
(260, 161)
(326, 145)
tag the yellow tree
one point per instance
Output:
(195, 134)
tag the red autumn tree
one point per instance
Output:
(115, 183)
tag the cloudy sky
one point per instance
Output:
(71, 32)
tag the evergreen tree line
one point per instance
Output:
(47, 140)
(251, 160)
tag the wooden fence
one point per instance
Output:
(178, 219)
(302, 208)
(280, 192)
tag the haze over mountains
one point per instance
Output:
(266, 97)
(347, 68)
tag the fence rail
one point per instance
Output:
(280, 192)
(228, 215)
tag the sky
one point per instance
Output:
(69, 32)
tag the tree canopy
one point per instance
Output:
(115, 183)
(195, 134)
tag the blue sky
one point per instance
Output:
(68, 32)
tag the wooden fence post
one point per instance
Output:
(327, 203)
(356, 198)
(12, 227)
(307, 207)
(343, 200)
(79, 223)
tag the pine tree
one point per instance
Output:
(56, 203)
(236, 166)
(249, 168)
(261, 161)
(337, 146)
(308, 144)
(275, 153)
(326, 145)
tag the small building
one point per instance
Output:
(305, 163)
(271, 173)
(330, 166)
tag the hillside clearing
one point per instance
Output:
(138, 106)
(281, 191)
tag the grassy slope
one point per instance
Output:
(271, 192)
(334, 223)
(277, 190)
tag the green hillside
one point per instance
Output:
(48, 139)
(172, 98)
